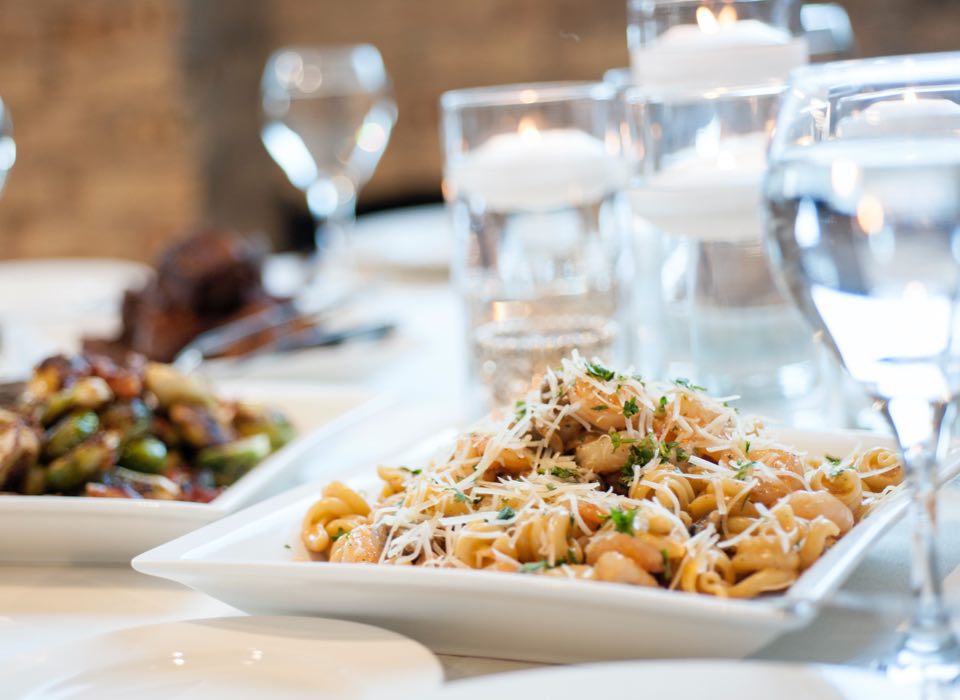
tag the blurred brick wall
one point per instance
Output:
(136, 118)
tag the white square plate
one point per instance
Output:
(102, 530)
(253, 561)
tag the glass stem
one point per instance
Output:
(929, 648)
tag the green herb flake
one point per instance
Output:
(743, 469)
(746, 446)
(286, 546)
(618, 440)
(598, 371)
(506, 513)
(835, 461)
(685, 383)
(667, 569)
(415, 472)
(623, 519)
(340, 533)
(562, 473)
(662, 406)
(630, 408)
(521, 409)
(533, 567)
(459, 496)
(600, 408)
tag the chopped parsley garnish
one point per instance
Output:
(562, 473)
(835, 461)
(506, 513)
(533, 567)
(630, 408)
(521, 409)
(639, 378)
(618, 440)
(662, 406)
(837, 471)
(598, 371)
(623, 519)
(743, 469)
(415, 472)
(672, 449)
(571, 557)
(667, 572)
(685, 383)
(746, 446)
(340, 533)
(600, 408)
(286, 546)
(459, 496)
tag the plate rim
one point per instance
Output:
(175, 560)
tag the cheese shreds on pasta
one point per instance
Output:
(602, 476)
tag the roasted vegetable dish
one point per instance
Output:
(89, 426)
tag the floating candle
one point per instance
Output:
(537, 170)
(719, 50)
(900, 117)
(711, 192)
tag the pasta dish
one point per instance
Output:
(606, 477)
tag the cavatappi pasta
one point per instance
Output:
(606, 477)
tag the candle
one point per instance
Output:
(532, 169)
(929, 117)
(711, 192)
(719, 50)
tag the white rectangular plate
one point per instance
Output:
(111, 530)
(253, 560)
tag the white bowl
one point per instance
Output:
(250, 561)
(98, 530)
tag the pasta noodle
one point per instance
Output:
(605, 477)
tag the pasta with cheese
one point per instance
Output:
(606, 477)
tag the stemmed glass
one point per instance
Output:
(862, 199)
(8, 149)
(328, 112)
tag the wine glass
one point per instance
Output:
(328, 113)
(862, 199)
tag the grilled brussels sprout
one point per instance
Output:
(83, 463)
(231, 461)
(255, 420)
(69, 432)
(146, 454)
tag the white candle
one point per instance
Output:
(537, 170)
(712, 192)
(927, 117)
(718, 51)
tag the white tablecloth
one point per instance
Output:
(40, 606)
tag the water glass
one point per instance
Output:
(863, 211)
(720, 318)
(328, 113)
(714, 43)
(531, 178)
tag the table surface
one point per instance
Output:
(45, 605)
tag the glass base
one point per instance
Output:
(925, 657)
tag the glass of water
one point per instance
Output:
(721, 319)
(863, 219)
(328, 113)
(531, 178)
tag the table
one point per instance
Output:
(45, 605)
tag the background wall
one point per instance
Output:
(137, 118)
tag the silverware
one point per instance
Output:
(217, 340)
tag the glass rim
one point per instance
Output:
(891, 70)
(332, 48)
(642, 94)
(526, 94)
(637, 4)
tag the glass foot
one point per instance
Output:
(924, 658)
